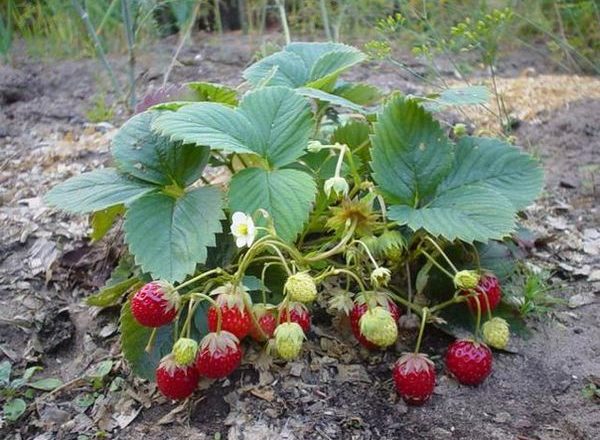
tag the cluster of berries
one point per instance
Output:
(373, 320)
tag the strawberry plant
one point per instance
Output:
(337, 196)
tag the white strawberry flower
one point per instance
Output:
(242, 228)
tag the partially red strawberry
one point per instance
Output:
(267, 321)
(468, 361)
(298, 314)
(235, 317)
(220, 354)
(488, 291)
(155, 304)
(176, 382)
(359, 309)
(414, 378)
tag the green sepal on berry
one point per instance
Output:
(301, 287)
(184, 351)
(378, 326)
(288, 340)
(496, 333)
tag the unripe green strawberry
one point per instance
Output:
(288, 340)
(466, 279)
(301, 287)
(380, 277)
(378, 326)
(496, 332)
(184, 351)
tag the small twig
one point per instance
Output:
(182, 41)
(97, 45)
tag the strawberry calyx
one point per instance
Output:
(414, 362)
(232, 296)
(219, 342)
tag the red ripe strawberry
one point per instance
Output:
(267, 322)
(298, 314)
(220, 354)
(176, 382)
(235, 318)
(359, 310)
(468, 361)
(155, 304)
(488, 291)
(414, 378)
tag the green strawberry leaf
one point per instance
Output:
(274, 123)
(134, 339)
(101, 221)
(315, 65)
(498, 166)
(13, 409)
(410, 155)
(469, 213)
(111, 295)
(203, 91)
(168, 236)
(330, 98)
(286, 194)
(48, 384)
(457, 96)
(5, 369)
(96, 190)
(362, 94)
(147, 156)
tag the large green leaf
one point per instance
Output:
(208, 92)
(96, 190)
(286, 194)
(134, 339)
(497, 165)
(274, 123)
(410, 154)
(101, 221)
(304, 64)
(362, 94)
(469, 213)
(142, 153)
(330, 98)
(168, 236)
(457, 96)
(111, 295)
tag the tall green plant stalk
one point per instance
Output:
(284, 22)
(218, 21)
(183, 39)
(97, 45)
(325, 18)
(130, 32)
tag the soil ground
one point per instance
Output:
(47, 268)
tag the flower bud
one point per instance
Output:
(338, 185)
(314, 146)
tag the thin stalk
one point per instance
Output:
(335, 249)
(439, 249)
(325, 17)
(424, 313)
(150, 343)
(408, 284)
(408, 304)
(284, 22)
(255, 322)
(97, 45)
(106, 17)
(130, 32)
(436, 264)
(353, 275)
(218, 21)
(368, 252)
(182, 41)
(478, 322)
(198, 278)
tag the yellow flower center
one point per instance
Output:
(242, 229)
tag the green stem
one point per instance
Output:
(340, 161)
(205, 297)
(335, 249)
(424, 313)
(478, 322)
(409, 305)
(439, 249)
(368, 252)
(198, 278)
(255, 322)
(436, 264)
(150, 343)
(280, 255)
(351, 274)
